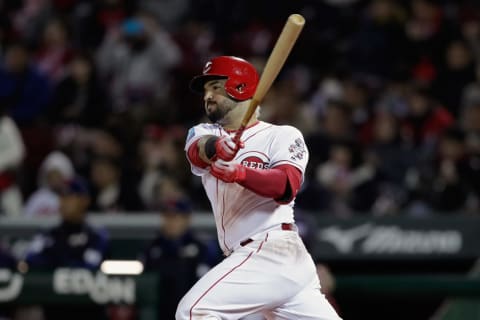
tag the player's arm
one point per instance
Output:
(280, 183)
(196, 152)
(208, 148)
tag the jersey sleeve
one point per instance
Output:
(193, 135)
(288, 148)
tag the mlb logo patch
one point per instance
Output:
(190, 134)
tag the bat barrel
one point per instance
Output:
(279, 54)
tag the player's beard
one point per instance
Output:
(221, 110)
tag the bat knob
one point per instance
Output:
(297, 19)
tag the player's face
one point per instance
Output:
(217, 102)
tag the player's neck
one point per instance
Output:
(249, 125)
(234, 118)
(236, 124)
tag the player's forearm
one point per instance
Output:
(270, 183)
(204, 147)
(197, 153)
(210, 147)
(280, 183)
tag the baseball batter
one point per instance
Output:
(251, 186)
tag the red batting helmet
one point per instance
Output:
(242, 78)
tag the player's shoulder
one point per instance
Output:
(201, 129)
(287, 130)
(207, 125)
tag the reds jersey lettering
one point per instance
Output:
(255, 163)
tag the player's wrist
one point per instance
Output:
(211, 148)
(240, 173)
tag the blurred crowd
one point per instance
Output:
(386, 93)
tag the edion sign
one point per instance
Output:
(99, 287)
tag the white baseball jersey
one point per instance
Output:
(240, 213)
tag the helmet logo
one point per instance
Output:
(207, 67)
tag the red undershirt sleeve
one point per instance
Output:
(194, 156)
(280, 183)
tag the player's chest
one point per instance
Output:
(256, 153)
(254, 158)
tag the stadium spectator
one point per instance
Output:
(177, 254)
(55, 171)
(469, 20)
(426, 119)
(376, 45)
(450, 187)
(455, 73)
(348, 182)
(391, 158)
(470, 123)
(168, 13)
(11, 157)
(79, 99)
(161, 157)
(357, 98)
(427, 31)
(28, 20)
(471, 92)
(20, 81)
(111, 191)
(330, 88)
(136, 60)
(335, 125)
(109, 14)
(73, 243)
(442, 181)
(283, 105)
(54, 51)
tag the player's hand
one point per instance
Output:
(228, 171)
(226, 149)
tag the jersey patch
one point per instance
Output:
(297, 150)
(191, 133)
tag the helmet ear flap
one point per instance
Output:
(238, 90)
(241, 87)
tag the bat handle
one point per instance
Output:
(238, 134)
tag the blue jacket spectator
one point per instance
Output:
(178, 255)
(24, 90)
(73, 243)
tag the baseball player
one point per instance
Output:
(251, 186)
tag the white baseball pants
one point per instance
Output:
(273, 275)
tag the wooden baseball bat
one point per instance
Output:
(279, 54)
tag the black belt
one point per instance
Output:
(284, 226)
